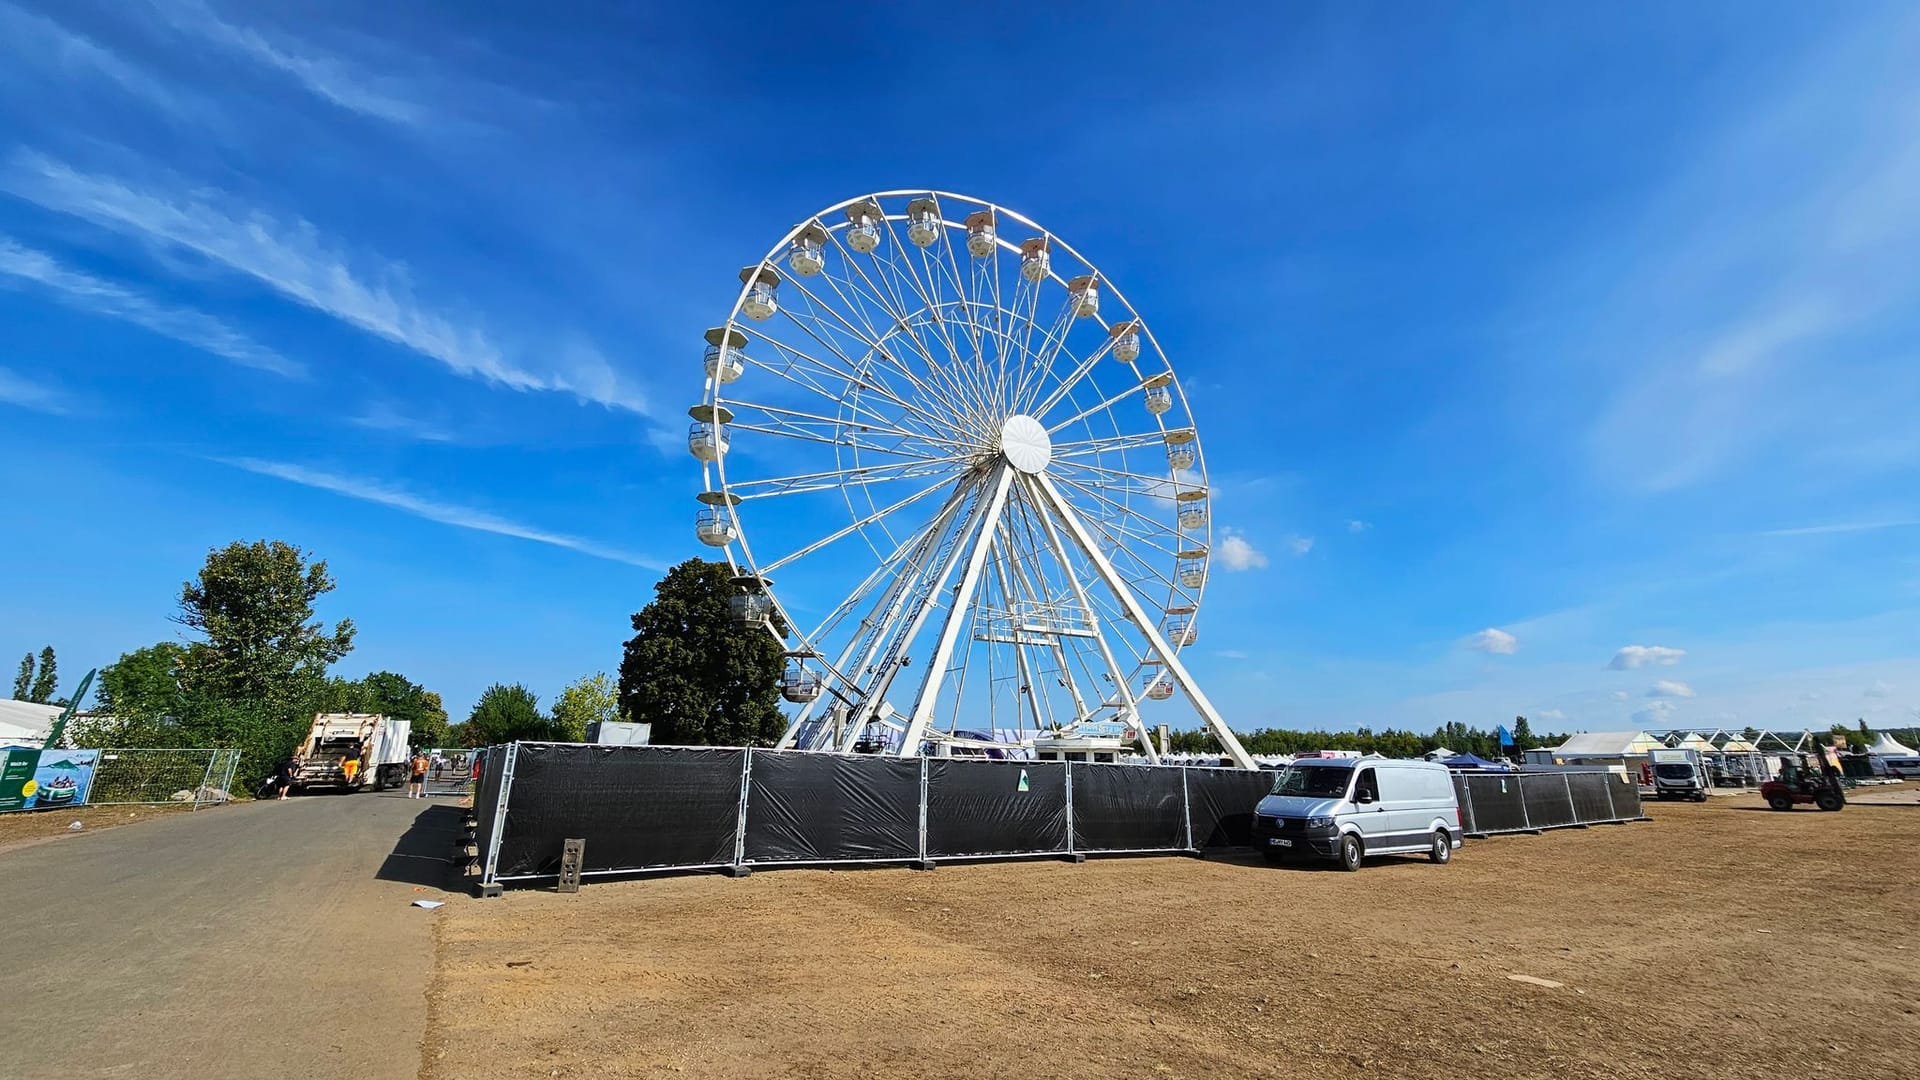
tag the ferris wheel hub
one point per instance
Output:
(1025, 444)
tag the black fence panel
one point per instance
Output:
(1626, 798)
(637, 807)
(1128, 808)
(1497, 806)
(995, 807)
(1548, 804)
(1590, 802)
(1465, 798)
(1221, 803)
(486, 798)
(807, 807)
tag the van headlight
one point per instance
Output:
(1319, 823)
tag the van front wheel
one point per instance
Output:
(1350, 853)
(1442, 850)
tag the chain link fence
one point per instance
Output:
(128, 777)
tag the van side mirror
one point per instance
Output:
(1362, 797)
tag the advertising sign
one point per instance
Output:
(42, 779)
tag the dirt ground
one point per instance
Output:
(37, 826)
(1719, 940)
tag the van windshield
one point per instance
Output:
(1313, 781)
(1674, 771)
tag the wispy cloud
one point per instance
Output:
(1299, 545)
(1495, 641)
(383, 417)
(294, 260)
(1358, 526)
(327, 77)
(1842, 527)
(1231, 654)
(1670, 688)
(16, 389)
(374, 491)
(47, 46)
(1629, 657)
(21, 265)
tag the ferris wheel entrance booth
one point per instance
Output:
(660, 808)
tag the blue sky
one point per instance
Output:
(1517, 336)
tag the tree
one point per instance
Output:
(253, 603)
(505, 714)
(695, 675)
(588, 700)
(47, 682)
(137, 700)
(1523, 739)
(394, 695)
(23, 681)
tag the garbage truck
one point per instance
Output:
(353, 752)
(1678, 774)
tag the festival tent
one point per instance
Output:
(1886, 746)
(23, 723)
(1438, 753)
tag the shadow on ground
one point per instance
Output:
(422, 854)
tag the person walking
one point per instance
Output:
(416, 787)
(283, 777)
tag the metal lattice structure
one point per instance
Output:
(938, 417)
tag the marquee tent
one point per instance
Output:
(1886, 746)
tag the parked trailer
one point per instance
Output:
(375, 744)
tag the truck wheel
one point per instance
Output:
(1780, 802)
(1442, 849)
(1350, 853)
(1827, 800)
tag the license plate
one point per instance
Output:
(1279, 841)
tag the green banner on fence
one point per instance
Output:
(39, 779)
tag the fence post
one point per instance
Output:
(500, 815)
(1519, 785)
(233, 763)
(1069, 767)
(1613, 808)
(740, 822)
(924, 769)
(1572, 810)
(1186, 803)
(206, 776)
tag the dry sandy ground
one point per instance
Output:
(1720, 940)
(38, 826)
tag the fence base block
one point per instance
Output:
(737, 871)
(922, 864)
(490, 891)
(1075, 858)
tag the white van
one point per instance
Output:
(1347, 810)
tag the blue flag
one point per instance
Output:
(1505, 736)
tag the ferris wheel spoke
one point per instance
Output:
(857, 476)
(858, 375)
(1066, 385)
(1104, 405)
(800, 370)
(1093, 492)
(793, 423)
(1076, 448)
(942, 484)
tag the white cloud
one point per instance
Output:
(1880, 688)
(1231, 654)
(462, 517)
(1619, 695)
(1670, 688)
(1358, 526)
(1550, 714)
(1841, 527)
(1635, 656)
(1299, 545)
(1236, 553)
(1655, 714)
(1496, 641)
(84, 292)
(50, 47)
(383, 417)
(326, 77)
(27, 394)
(297, 262)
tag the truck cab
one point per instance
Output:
(1679, 774)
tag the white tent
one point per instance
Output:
(22, 723)
(1439, 753)
(1885, 746)
(1607, 744)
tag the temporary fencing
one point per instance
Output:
(641, 808)
(1493, 803)
(138, 776)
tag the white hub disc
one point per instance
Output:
(1024, 442)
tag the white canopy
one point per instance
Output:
(1439, 752)
(1885, 746)
(1608, 744)
(22, 723)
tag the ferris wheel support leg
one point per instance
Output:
(956, 614)
(1130, 707)
(1185, 681)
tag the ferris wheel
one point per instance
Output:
(972, 472)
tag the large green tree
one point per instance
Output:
(587, 700)
(691, 672)
(394, 695)
(46, 682)
(137, 700)
(23, 682)
(504, 714)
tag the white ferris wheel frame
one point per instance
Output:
(983, 498)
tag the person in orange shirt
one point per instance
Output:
(416, 784)
(349, 768)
